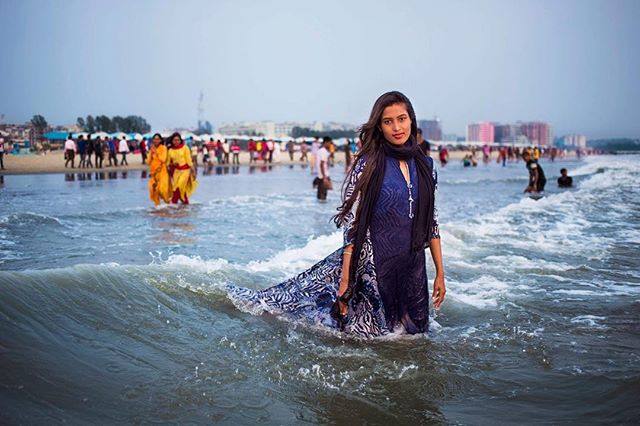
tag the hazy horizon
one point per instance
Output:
(573, 64)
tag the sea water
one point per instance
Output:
(112, 310)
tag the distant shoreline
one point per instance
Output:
(53, 162)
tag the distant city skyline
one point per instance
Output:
(572, 64)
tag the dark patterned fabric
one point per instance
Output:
(378, 306)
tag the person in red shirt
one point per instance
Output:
(444, 155)
(252, 151)
(265, 151)
(143, 150)
(235, 150)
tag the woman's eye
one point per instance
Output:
(401, 119)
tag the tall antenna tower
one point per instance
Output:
(200, 109)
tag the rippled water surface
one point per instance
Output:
(113, 311)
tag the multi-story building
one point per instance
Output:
(537, 132)
(507, 133)
(431, 129)
(249, 128)
(481, 132)
(578, 141)
(272, 129)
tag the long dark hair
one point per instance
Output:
(375, 149)
(372, 150)
(173, 135)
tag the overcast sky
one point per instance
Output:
(575, 64)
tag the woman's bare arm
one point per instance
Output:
(439, 289)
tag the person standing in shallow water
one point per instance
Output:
(537, 179)
(181, 170)
(159, 176)
(377, 281)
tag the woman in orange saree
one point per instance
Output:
(159, 179)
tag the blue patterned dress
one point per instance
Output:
(393, 281)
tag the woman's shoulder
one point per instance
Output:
(360, 164)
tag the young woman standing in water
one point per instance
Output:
(181, 170)
(159, 179)
(389, 218)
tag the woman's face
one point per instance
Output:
(156, 140)
(175, 141)
(396, 124)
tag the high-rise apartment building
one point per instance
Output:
(537, 132)
(431, 129)
(481, 132)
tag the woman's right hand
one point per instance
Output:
(344, 308)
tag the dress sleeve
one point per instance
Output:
(186, 154)
(350, 218)
(436, 227)
(162, 154)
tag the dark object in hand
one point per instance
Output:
(337, 315)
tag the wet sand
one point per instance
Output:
(53, 162)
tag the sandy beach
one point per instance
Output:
(53, 162)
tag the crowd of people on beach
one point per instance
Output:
(319, 154)
(92, 152)
(220, 151)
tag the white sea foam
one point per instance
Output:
(589, 320)
(196, 263)
(298, 259)
(554, 226)
(483, 292)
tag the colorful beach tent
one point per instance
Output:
(56, 136)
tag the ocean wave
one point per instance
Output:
(29, 219)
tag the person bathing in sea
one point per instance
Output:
(181, 170)
(537, 180)
(159, 176)
(565, 181)
(376, 283)
(323, 180)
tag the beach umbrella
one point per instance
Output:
(136, 136)
(77, 135)
(148, 135)
(119, 135)
(100, 135)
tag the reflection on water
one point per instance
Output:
(220, 170)
(208, 170)
(173, 224)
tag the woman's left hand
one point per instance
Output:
(439, 291)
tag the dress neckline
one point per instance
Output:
(397, 164)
